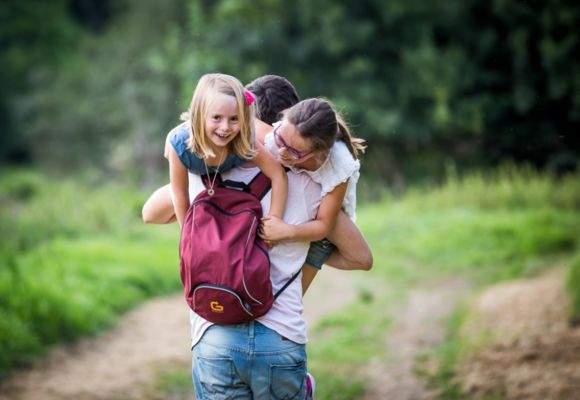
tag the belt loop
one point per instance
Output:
(252, 329)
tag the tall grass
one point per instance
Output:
(499, 226)
(72, 258)
(502, 225)
(573, 286)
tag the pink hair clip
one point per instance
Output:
(250, 98)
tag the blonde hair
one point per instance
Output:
(209, 85)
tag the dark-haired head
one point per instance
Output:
(274, 94)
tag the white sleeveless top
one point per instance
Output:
(339, 167)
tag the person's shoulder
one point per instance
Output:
(179, 137)
(262, 129)
(176, 138)
(340, 151)
(179, 132)
(341, 159)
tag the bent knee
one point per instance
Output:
(368, 264)
(365, 263)
(146, 216)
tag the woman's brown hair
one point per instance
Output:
(317, 120)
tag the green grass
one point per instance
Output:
(573, 287)
(506, 225)
(173, 383)
(343, 343)
(72, 259)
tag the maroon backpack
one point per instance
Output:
(225, 268)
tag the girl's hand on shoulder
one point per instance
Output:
(274, 229)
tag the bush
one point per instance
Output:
(72, 259)
(573, 286)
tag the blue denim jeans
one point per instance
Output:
(248, 361)
(318, 253)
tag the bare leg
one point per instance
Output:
(158, 209)
(308, 275)
(353, 251)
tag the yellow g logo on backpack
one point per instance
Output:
(216, 307)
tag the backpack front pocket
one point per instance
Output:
(220, 305)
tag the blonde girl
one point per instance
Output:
(218, 135)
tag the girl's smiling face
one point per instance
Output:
(222, 121)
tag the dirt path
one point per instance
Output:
(118, 364)
(123, 362)
(532, 351)
(418, 326)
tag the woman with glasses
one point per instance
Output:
(313, 138)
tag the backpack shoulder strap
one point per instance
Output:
(292, 279)
(260, 185)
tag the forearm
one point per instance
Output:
(308, 231)
(181, 207)
(325, 221)
(273, 170)
(179, 186)
(279, 194)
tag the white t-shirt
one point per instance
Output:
(339, 167)
(286, 258)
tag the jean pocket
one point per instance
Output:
(287, 381)
(216, 376)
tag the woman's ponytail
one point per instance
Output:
(355, 145)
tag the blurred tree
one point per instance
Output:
(526, 55)
(474, 81)
(35, 38)
(112, 101)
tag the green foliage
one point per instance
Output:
(174, 383)
(495, 227)
(486, 228)
(472, 80)
(36, 36)
(72, 259)
(508, 187)
(478, 82)
(573, 286)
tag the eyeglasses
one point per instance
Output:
(296, 154)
